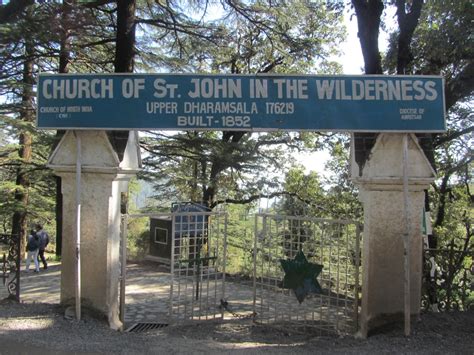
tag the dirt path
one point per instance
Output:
(42, 328)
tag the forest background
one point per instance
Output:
(238, 169)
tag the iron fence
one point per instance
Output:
(448, 279)
(10, 265)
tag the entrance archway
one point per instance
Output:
(391, 181)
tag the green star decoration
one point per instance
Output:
(300, 276)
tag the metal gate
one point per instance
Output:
(194, 285)
(198, 265)
(306, 272)
(10, 258)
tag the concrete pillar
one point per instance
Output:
(380, 183)
(103, 179)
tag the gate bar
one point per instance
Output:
(224, 258)
(357, 272)
(255, 264)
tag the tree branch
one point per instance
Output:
(11, 10)
(440, 140)
(461, 86)
(252, 198)
(407, 24)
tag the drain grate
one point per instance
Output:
(143, 327)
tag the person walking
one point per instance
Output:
(32, 247)
(44, 240)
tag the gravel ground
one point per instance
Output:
(42, 328)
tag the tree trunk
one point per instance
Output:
(209, 193)
(125, 45)
(368, 22)
(65, 45)
(20, 216)
(407, 23)
(123, 63)
(64, 61)
(443, 192)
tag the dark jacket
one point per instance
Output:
(33, 242)
(44, 239)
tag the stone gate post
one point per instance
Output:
(104, 178)
(380, 182)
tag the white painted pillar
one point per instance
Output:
(103, 179)
(381, 190)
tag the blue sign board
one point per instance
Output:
(190, 218)
(241, 102)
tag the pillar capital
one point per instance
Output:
(385, 164)
(97, 154)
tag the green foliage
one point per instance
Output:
(193, 165)
(239, 37)
(138, 234)
(333, 196)
(342, 195)
(84, 38)
(41, 204)
(240, 240)
(248, 37)
(306, 194)
(442, 38)
(458, 211)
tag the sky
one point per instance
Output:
(352, 60)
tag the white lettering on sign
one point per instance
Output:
(162, 89)
(162, 107)
(216, 88)
(220, 107)
(78, 88)
(203, 122)
(258, 88)
(411, 113)
(280, 108)
(373, 89)
(131, 87)
(49, 109)
(195, 121)
(292, 88)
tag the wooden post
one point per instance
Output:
(123, 265)
(406, 237)
(78, 223)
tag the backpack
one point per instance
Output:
(43, 239)
(33, 243)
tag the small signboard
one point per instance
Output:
(241, 102)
